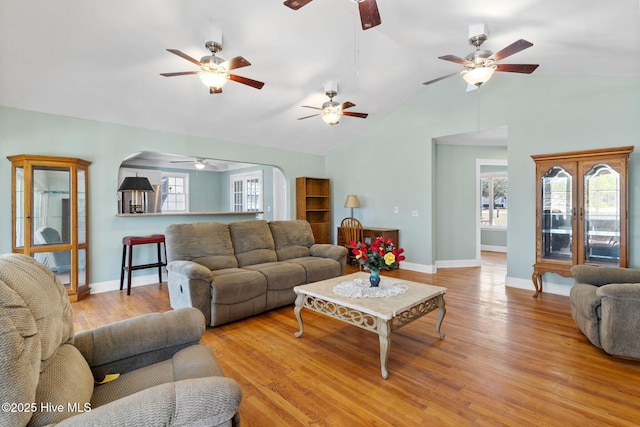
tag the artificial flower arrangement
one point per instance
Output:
(378, 255)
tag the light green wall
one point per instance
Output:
(205, 191)
(456, 200)
(392, 163)
(106, 146)
(493, 238)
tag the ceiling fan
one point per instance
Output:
(480, 65)
(331, 111)
(214, 71)
(369, 14)
(199, 163)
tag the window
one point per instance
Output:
(246, 192)
(175, 193)
(494, 201)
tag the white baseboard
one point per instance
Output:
(458, 263)
(421, 268)
(114, 285)
(493, 248)
(548, 287)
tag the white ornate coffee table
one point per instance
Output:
(381, 315)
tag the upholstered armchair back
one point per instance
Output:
(37, 356)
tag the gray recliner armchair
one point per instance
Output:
(51, 376)
(605, 304)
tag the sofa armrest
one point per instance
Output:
(620, 323)
(210, 401)
(140, 341)
(190, 269)
(629, 291)
(190, 286)
(327, 250)
(599, 276)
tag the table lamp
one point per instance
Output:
(138, 186)
(352, 202)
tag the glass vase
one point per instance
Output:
(374, 278)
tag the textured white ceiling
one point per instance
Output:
(101, 60)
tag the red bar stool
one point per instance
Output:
(130, 242)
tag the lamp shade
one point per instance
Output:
(135, 183)
(352, 201)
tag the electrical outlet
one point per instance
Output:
(414, 213)
(395, 210)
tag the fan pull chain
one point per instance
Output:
(356, 47)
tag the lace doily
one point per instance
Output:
(359, 288)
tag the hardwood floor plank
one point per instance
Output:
(507, 359)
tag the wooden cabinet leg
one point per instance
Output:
(536, 278)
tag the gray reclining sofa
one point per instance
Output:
(233, 271)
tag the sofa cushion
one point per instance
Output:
(197, 361)
(292, 238)
(207, 243)
(252, 242)
(281, 275)
(234, 285)
(318, 268)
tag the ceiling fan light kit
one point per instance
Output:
(332, 111)
(478, 76)
(214, 71)
(480, 65)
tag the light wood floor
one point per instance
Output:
(507, 359)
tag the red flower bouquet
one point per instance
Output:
(378, 255)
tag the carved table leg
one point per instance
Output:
(296, 310)
(536, 278)
(441, 314)
(384, 333)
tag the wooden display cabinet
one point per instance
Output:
(313, 203)
(49, 212)
(581, 210)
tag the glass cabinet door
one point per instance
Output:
(602, 215)
(82, 227)
(18, 220)
(51, 218)
(557, 214)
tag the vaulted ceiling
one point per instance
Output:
(101, 60)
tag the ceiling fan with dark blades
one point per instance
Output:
(480, 65)
(331, 111)
(199, 163)
(369, 13)
(214, 71)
